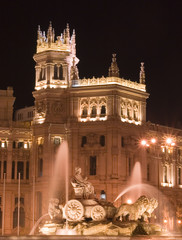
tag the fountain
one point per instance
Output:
(86, 215)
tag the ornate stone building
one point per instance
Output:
(103, 120)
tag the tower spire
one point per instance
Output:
(50, 34)
(67, 34)
(73, 43)
(113, 69)
(142, 73)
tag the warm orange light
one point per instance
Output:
(143, 142)
(179, 221)
(168, 140)
(129, 201)
(153, 140)
(165, 220)
(172, 144)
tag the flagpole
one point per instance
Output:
(33, 202)
(4, 188)
(18, 228)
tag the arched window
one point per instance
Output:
(22, 217)
(103, 110)
(94, 112)
(84, 112)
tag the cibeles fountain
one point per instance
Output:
(84, 214)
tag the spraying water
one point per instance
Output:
(37, 223)
(136, 179)
(60, 181)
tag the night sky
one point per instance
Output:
(136, 30)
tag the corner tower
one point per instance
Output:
(56, 68)
(54, 59)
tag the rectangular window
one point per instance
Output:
(102, 140)
(13, 170)
(40, 167)
(57, 141)
(148, 172)
(129, 166)
(20, 144)
(4, 167)
(39, 205)
(0, 218)
(165, 174)
(179, 176)
(14, 144)
(122, 141)
(21, 200)
(84, 141)
(27, 170)
(92, 165)
(20, 169)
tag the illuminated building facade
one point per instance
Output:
(103, 120)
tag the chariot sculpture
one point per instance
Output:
(85, 205)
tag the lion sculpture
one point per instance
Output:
(153, 204)
(134, 211)
(54, 209)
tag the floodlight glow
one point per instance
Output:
(179, 221)
(168, 140)
(153, 140)
(129, 201)
(165, 220)
(143, 142)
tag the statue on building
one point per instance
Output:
(82, 188)
(74, 71)
(113, 69)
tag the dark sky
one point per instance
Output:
(137, 30)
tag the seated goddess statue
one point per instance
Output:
(79, 182)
